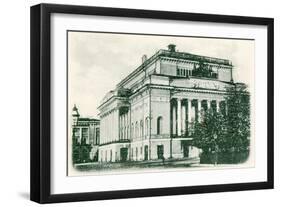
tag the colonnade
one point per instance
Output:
(186, 111)
(124, 126)
(114, 126)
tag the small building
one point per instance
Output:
(85, 131)
(150, 113)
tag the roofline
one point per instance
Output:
(161, 52)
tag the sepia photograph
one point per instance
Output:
(133, 103)
(141, 103)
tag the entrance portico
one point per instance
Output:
(186, 110)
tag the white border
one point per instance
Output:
(60, 183)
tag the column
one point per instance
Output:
(188, 115)
(101, 130)
(111, 124)
(199, 110)
(117, 124)
(218, 105)
(174, 121)
(129, 124)
(126, 124)
(121, 127)
(179, 116)
(109, 128)
(80, 139)
(183, 118)
(106, 129)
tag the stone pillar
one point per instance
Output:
(218, 105)
(113, 125)
(188, 115)
(179, 116)
(174, 121)
(116, 125)
(80, 139)
(122, 120)
(127, 125)
(199, 110)
(120, 127)
(110, 122)
(101, 131)
(106, 128)
(183, 118)
(189, 111)
(208, 104)
(105, 133)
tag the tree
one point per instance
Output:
(226, 132)
(238, 118)
(80, 151)
(210, 133)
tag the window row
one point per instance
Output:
(140, 129)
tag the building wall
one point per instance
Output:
(169, 66)
(224, 74)
(160, 107)
(111, 152)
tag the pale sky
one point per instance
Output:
(98, 61)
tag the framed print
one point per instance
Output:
(132, 103)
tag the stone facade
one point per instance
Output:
(149, 114)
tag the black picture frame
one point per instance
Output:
(41, 102)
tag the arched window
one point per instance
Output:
(159, 125)
(141, 128)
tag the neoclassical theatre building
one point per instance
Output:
(149, 115)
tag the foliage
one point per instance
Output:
(80, 151)
(226, 132)
(210, 132)
(238, 117)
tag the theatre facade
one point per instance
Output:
(150, 114)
